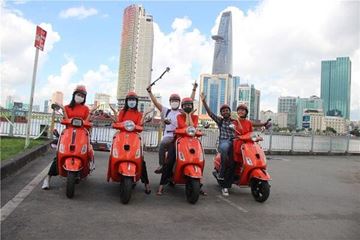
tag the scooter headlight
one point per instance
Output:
(249, 162)
(129, 126)
(191, 131)
(76, 122)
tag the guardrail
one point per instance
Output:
(103, 133)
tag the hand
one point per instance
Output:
(258, 138)
(202, 97)
(195, 85)
(193, 111)
(148, 89)
(93, 109)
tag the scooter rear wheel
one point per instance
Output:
(70, 184)
(126, 189)
(192, 190)
(260, 190)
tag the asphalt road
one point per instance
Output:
(312, 197)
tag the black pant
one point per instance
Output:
(168, 167)
(229, 174)
(53, 171)
(144, 176)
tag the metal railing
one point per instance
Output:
(103, 133)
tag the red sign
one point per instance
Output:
(40, 38)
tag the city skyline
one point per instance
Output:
(183, 42)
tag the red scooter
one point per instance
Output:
(74, 152)
(189, 164)
(126, 156)
(251, 171)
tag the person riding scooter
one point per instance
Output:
(170, 122)
(76, 109)
(226, 137)
(130, 112)
(185, 158)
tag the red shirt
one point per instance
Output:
(181, 120)
(244, 127)
(79, 111)
(130, 114)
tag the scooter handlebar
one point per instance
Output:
(121, 126)
(69, 121)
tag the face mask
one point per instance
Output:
(79, 99)
(174, 105)
(131, 103)
(188, 109)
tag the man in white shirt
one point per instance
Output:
(170, 122)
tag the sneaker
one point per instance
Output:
(159, 170)
(46, 183)
(225, 192)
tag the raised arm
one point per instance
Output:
(153, 99)
(193, 92)
(203, 99)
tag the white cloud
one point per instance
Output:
(102, 80)
(185, 50)
(78, 12)
(17, 50)
(279, 46)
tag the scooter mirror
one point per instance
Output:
(148, 119)
(56, 133)
(55, 107)
(206, 124)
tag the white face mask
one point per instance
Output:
(79, 99)
(131, 103)
(175, 105)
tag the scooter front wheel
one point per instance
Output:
(192, 190)
(260, 190)
(70, 184)
(126, 189)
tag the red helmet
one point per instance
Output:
(131, 95)
(174, 97)
(242, 106)
(80, 89)
(225, 106)
(187, 100)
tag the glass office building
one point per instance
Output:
(336, 87)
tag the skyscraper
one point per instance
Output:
(249, 96)
(215, 89)
(288, 105)
(336, 86)
(222, 63)
(137, 40)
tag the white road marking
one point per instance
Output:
(232, 204)
(11, 205)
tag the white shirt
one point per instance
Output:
(170, 128)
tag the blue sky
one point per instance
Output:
(276, 48)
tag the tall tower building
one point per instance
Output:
(336, 86)
(251, 97)
(137, 41)
(222, 63)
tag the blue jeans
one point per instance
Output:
(225, 149)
